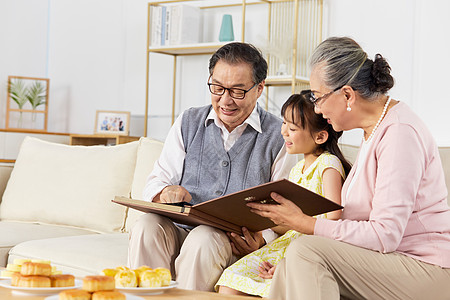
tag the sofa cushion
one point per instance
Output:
(5, 173)
(77, 255)
(69, 185)
(13, 233)
(147, 154)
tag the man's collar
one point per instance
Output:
(252, 120)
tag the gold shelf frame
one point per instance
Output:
(306, 26)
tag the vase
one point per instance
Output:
(226, 30)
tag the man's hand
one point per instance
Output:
(248, 243)
(173, 194)
(266, 270)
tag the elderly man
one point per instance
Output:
(212, 151)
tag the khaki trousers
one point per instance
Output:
(196, 258)
(321, 268)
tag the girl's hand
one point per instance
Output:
(248, 243)
(266, 270)
(286, 214)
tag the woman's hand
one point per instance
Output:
(266, 270)
(286, 214)
(248, 243)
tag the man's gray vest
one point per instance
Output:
(209, 171)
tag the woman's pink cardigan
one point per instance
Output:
(399, 200)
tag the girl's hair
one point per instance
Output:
(344, 62)
(303, 115)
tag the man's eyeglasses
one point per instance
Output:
(316, 100)
(234, 93)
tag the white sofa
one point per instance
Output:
(57, 202)
(57, 205)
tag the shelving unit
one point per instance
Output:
(101, 139)
(301, 19)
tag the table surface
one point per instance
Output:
(179, 294)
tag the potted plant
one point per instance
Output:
(18, 92)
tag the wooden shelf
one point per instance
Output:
(193, 49)
(285, 80)
(18, 130)
(100, 139)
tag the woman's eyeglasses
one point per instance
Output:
(316, 100)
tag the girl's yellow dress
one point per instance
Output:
(243, 274)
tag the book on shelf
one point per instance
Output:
(230, 212)
(175, 25)
(155, 25)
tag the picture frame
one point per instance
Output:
(27, 103)
(112, 122)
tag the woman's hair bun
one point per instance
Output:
(381, 74)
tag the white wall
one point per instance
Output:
(412, 35)
(93, 51)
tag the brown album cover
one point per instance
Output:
(230, 212)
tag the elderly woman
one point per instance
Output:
(393, 241)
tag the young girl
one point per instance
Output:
(322, 170)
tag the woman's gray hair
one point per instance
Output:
(344, 62)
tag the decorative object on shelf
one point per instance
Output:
(226, 30)
(112, 122)
(28, 94)
(279, 50)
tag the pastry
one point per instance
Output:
(15, 277)
(31, 268)
(110, 272)
(139, 272)
(6, 273)
(126, 278)
(150, 279)
(13, 267)
(108, 295)
(41, 261)
(165, 275)
(74, 295)
(95, 283)
(20, 261)
(33, 281)
(62, 280)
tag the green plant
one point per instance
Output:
(36, 94)
(18, 92)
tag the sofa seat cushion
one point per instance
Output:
(13, 233)
(70, 185)
(77, 255)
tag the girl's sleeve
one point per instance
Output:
(400, 165)
(331, 161)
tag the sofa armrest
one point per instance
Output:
(5, 173)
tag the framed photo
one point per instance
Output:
(27, 103)
(112, 122)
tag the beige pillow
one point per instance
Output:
(148, 152)
(69, 185)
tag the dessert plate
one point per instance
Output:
(6, 283)
(147, 291)
(129, 297)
